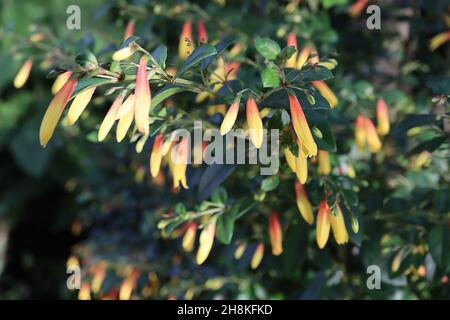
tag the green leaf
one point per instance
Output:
(160, 55)
(267, 48)
(202, 52)
(316, 73)
(87, 83)
(225, 228)
(180, 209)
(436, 243)
(331, 3)
(429, 145)
(219, 196)
(270, 78)
(415, 120)
(213, 176)
(220, 47)
(270, 183)
(166, 92)
(241, 207)
(440, 85)
(129, 40)
(86, 60)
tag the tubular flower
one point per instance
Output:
(23, 74)
(292, 42)
(60, 81)
(276, 236)
(125, 119)
(206, 242)
(230, 117)
(382, 118)
(303, 57)
(79, 104)
(156, 156)
(110, 118)
(143, 98)
(324, 163)
(326, 92)
(189, 237)
(231, 70)
(180, 164)
(303, 204)
(301, 126)
(129, 29)
(186, 44)
(438, 40)
(357, 7)
(97, 279)
(373, 141)
(254, 123)
(240, 251)
(290, 159)
(257, 256)
(314, 56)
(202, 34)
(123, 53)
(323, 224)
(338, 226)
(54, 111)
(85, 291)
(360, 135)
(127, 286)
(301, 168)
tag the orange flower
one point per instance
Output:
(156, 156)
(186, 44)
(180, 164)
(438, 40)
(301, 168)
(206, 242)
(292, 42)
(125, 115)
(301, 126)
(54, 111)
(257, 256)
(240, 249)
(382, 118)
(303, 56)
(303, 204)
(143, 98)
(23, 74)
(189, 237)
(254, 123)
(128, 284)
(357, 7)
(230, 117)
(323, 224)
(231, 70)
(202, 34)
(373, 141)
(324, 163)
(326, 92)
(60, 81)
(276, 236)
(110, 118)
(360, 135)
(79, 104)
(85, 291)
(338, 226)
(129, 29)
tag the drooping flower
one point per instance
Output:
(189, 236)
(98, 278)
(54, 111)
(301, 168)
(290, 159)
(125, 115)
(323, 224)
(240, 249)
(360, 134)
(181, 152)
(357, 7)
(202, 34)
(230, 117)
(254, 123)
(301, 126)
(156, 156)
(257, 256)
(303, 204)
(303, 56)
(326, 92)
(206, 242)
(143, 98)
(79, 103)
(60, 81)
(186, 44)
(128, 284)
(314, 55)
(292, 42)
(324, 163)
(338, 225)
(110, 118)
(23, 74)
(231, 70)
(275, 233)
(124, 53)
(382, 118)
(373, 141)
(85, 291)
(438, 40)
(129, 29)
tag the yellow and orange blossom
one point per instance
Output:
(23, 74)
(129, 29)
(143, 98)
(323, 224)
(382, 118)
(189, 237)
(230, 117)
(54, 111)
(357, 7)
(254, 123)
(292, 42)
(373, 141)
(324, 163)
(60, 81)
(180, 164)
(439, 39)
(202, 34)
(338, 226)
(156, 156)
(257, 256)
(110, 118)
(301, 127)
(303, 204)
(326, 92)
(79, 103)
(186, 44)
(206, 242)
(360, 134)
(276, 236)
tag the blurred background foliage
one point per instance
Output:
(95, 204)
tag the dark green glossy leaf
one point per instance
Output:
(267, 48)
(202, 52)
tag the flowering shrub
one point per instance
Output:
(251, 143)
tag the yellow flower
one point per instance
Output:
(189, 237)
(324, 163)
(156, 156)
(276, 236)
(301, 126)
(292, 42)
(438, 40)
(23, 74)
(338, 226)
(110, 118)
(54, 111)
(127, 286)
(301, 168)
(60, 81)
(206, 242)
(303, 56)
(254, 123)
(303, 204)
(126, 119)
(123, 53)
(230, 117)
(85, 291)
(360, 134)
(323, 224)
(79, 104)
(257, 256)
(382, 118)
(290, 159)
(143, 98)
(326, 92)
(181, 152)
(186, 44)
(240, 251)
(373, 141)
